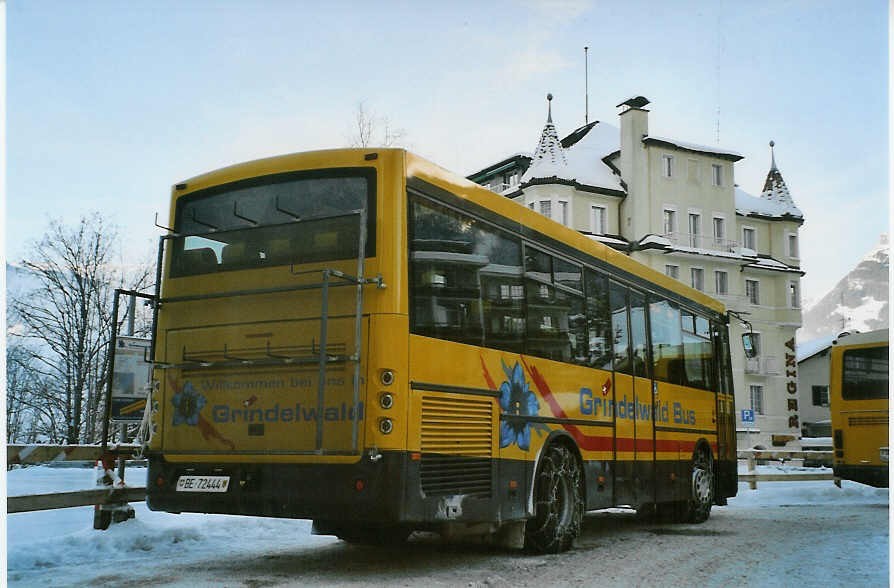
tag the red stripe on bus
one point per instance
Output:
(603, 443)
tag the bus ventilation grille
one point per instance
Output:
(867, 421)
(457, 446)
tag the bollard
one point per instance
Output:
(752, 470)
(116, 512)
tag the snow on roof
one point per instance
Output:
(581, 162)
(770, 263)
(585, 163)
(549, 156)
(695, 147)
(656, 240)
(810, 348)
(605, 239)
(747, 204)
(496, 167)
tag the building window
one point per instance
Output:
(510, 179)
(749, 238)
(667, 166)
(793, 246)
(597, 220)
(721, 283)
(794, 298)
(756, 392)
(698, 278)
(563, 212)
(820, 395)
(719, 230)
(670, 221)
(752, 291)
(672, 271)
(546, 208)
(716, 175)
(695, 222)
(756, 340)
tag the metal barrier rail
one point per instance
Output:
(753, 455)
(96, 496)
(34, 454)
(110, 502)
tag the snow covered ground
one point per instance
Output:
(60, 548)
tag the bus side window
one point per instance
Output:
(198, 261)
(599, 324)
(620, 328)
(638, 334)
(667, 341)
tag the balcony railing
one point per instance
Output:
(501, 187)
(702, 242)
(763, 366)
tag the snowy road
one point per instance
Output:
(783, 534)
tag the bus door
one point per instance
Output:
(624, 397)
(643, 419)
(725, 413)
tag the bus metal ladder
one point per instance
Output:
(323, 354)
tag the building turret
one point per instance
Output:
(776, 191)
(549, 159)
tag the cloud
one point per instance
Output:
(558, 12)
(547, 18)
(535, 61)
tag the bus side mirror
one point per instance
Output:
(748, 344)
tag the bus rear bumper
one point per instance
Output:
(372, 489)
(386, 489)
(871, 475)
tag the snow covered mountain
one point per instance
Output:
(858, 302)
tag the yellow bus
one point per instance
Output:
(362, 338)
(858, 400)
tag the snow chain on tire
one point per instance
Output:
(702, 487)
(558, 502)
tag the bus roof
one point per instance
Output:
(462, 188)
(850, 339)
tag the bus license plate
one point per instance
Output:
(203, 483)
(883, 454)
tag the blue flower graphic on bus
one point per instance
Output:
(188, 404)
(516, 399)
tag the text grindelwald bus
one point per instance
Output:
(361, 338)
(858, 400)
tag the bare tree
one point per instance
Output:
(67, 318)
(371, 130)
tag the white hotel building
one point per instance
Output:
(675, 206)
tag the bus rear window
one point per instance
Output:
(282, 219)
(865, 374)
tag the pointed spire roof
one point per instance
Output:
(549, 157)
(775, 189)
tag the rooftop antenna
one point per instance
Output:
(586, 86)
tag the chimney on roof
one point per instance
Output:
(633, 102)
(633, 165)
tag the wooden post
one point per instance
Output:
(751, 470)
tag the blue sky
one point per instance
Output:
(109, 104)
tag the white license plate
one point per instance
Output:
(883, 454)
(203, 483)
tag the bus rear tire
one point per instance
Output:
(697, 508)
(558, 502)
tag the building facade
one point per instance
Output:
(675, 207)
(814, 360)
